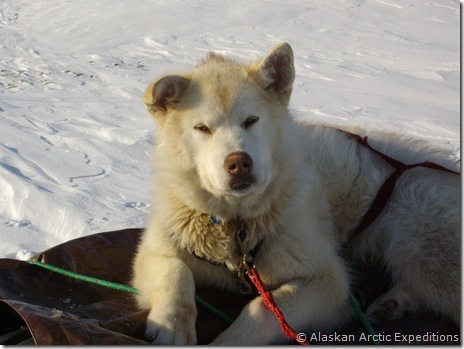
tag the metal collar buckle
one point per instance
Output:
(246, 262)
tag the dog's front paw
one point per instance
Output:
(175, 326)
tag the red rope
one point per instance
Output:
(269, 302)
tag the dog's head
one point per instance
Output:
(220, 125)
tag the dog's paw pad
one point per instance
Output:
(392, 305)
(388, 309)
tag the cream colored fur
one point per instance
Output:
(310, 186)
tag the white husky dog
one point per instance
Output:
(229, 158)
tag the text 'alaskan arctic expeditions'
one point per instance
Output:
(393, 338)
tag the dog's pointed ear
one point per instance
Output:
(275, 72)
(164, 94)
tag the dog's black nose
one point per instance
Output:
(238, 164)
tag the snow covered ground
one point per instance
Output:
(75, 139)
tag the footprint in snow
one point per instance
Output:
(136, 205)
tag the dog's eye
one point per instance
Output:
(249, 121)
(202, 128)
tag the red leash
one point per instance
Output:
(247, 266)
(269, 302)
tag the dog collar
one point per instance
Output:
(213, 219)
(240, 236)
(246, 256)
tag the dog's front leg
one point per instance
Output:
(305, 303)
(166, 286)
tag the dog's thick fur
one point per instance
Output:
(226, 145)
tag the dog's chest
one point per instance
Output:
(206, 237)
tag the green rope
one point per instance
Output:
(125, 288)
(198, 299)
(113, 285)
(362, 317)
(211, 309)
